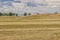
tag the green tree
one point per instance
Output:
(25, 14)
(5, 14)
(11, 14)
(1, 14)
(16, 14)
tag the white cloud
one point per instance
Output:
(18, 5)
(52, 5)
(39, 1)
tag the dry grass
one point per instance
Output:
(30, 26)
(35, 21)
(30, 35)
(30, 22)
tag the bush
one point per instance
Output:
(29, 14)
(25, 14)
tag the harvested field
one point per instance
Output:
(35, 27)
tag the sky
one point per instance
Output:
(30, 6)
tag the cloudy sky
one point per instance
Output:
(31, 6)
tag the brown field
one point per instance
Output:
(35, 27)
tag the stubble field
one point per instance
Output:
(35, 27)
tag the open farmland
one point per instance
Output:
(35, 27)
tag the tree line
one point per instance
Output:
(8, 14)
(16, 14)
(13, 14)
(25, 14)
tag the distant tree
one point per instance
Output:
(1, 14)
(25, 14)
(5, 14)
(37, 13)
(16, 14)
(11, 14)
(55, 13)
(29, 13)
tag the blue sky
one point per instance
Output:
(30, 6)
